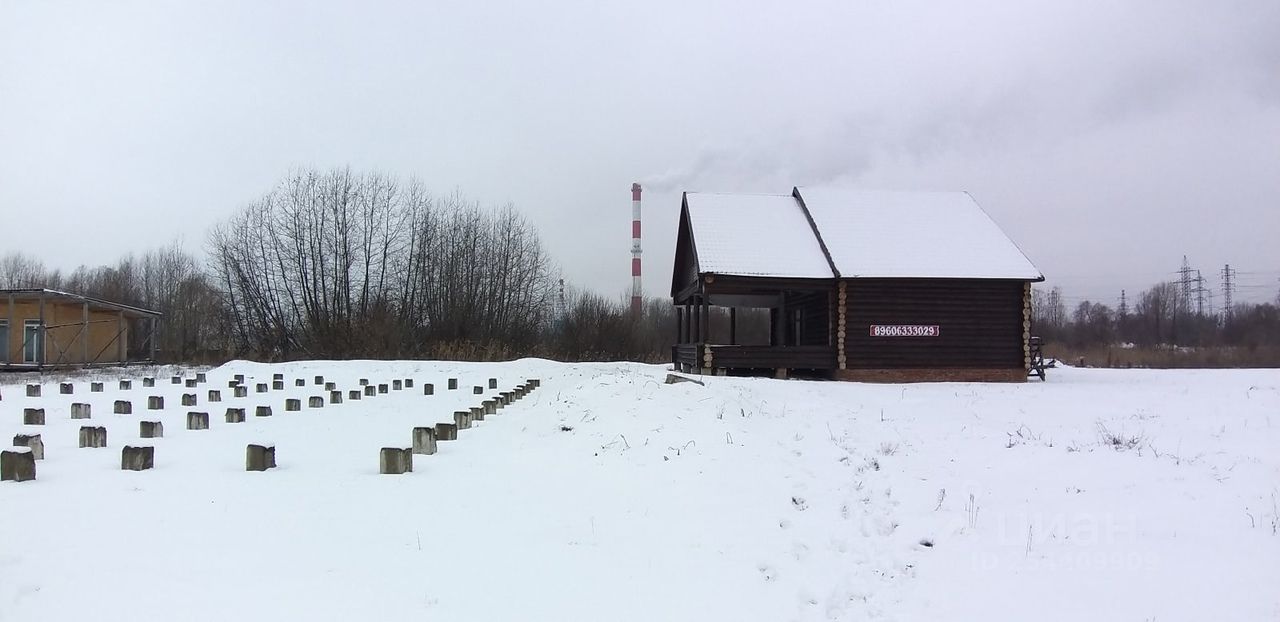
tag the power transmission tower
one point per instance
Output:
(562, 307)
(1122, 317)
(1228, 287)
(1185, 283)
(1199, 291)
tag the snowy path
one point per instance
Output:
(606, 495)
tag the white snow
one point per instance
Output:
(754, 235)
(913, 234)
(745, 499)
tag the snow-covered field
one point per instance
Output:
(608, 495)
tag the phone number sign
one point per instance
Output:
(904, 330)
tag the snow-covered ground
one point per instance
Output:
(608, 495)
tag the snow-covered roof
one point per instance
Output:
(754, 235)
(912, 234)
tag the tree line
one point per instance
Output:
(1163, 319)
(337, 264)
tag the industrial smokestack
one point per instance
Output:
(636, 293)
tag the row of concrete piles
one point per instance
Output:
(18, 464)
(68, 388)
(423, 439)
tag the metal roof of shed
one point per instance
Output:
(35, 292)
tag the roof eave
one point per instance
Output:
(138, 311)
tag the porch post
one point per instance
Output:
(706, 320)
(41, 337)
(8, 354)
(687, 337)
(733, 326)
(780, 323)
(691, 324)
(695, 329)
(680, 325)
(695, 325)
(773, 326)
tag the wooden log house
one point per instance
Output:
(859, 285)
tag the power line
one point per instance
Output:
(1190, 288)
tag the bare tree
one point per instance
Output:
(338, 264)
(18, 270)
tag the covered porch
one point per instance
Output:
(721, 326)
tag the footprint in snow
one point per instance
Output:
(800, 503)
(767, 572)
(800, 551)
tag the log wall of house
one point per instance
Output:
(980, 324)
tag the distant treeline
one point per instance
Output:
(1163, 328)
(343, 265)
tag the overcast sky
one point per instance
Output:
(1107, 138)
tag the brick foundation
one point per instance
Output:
(932, 375)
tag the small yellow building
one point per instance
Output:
(45, 328)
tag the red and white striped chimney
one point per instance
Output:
(636, 292)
